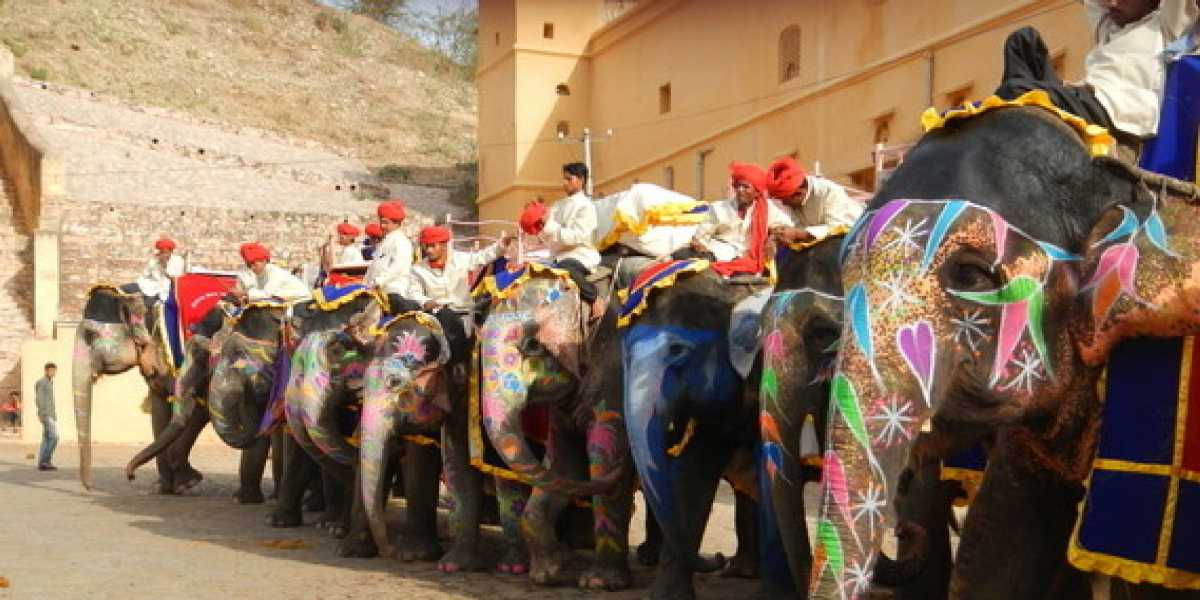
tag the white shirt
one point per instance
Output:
(570, 227)
(725, 233)
(156, 279)
(349, 255)
(826, 206)
(449, 286)
(275, 282)
(392, 267)
(1126, 65)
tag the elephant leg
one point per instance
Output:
(697, 476)
(314, 494)
(539, 524)
(160, 417)
(611, 512)
(422, 471)
(927, 501)
(180, 451)
(745, 519)
(466, 488)
(649, 550)
(277, 461)
(337, 485)
(359, 542)
(253, 463)
(511, 497)
(299, 472)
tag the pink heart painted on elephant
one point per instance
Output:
(916, 346)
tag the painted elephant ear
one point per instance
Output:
(1141, 271)
(744, 339)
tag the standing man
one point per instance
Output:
(262, 280)
(816, 205)
(164, 266)
(568, 230)
(391, 270)
(45, 410)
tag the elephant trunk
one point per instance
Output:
(83, 376)
(508, 436)
(230, 407)
(377, 426)
(311, 397)
(190, 379)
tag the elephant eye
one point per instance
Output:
(969, 274)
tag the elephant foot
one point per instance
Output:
(358, 546)
(420, 549)
(670, 588)
(740, 567)
(710, 564)
(546, 566)
(606, 577)
(463, 557)
(284, 518)
(252, 495)
(514, 561)
(313, 503)
(647, 554)
(187, 479)
(165, 488)
(338, 531)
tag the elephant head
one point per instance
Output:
(531, 349)
(244, 373)
(984, 289)
(113, 337)
(405, 392)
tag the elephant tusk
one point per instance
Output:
(677, 449)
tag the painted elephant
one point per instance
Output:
(986, 285)
(688, 412)
(117, 333)
(535, 351)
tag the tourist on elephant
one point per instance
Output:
(155, 282)
(371, 242)
(1124, 72)
(569, 228)
(391, 268)
(815, 204)
(724, 236)
(348, 251)
(262, 280)
(441, 282)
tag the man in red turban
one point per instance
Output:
(374, 236)
(160, 269)
(816, 205)
(729, 232)
(262, 280)
(391, 268)
(348, 252)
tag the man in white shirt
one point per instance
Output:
(348, 252)
(1124, 72)
(164, 266)
(724, 237)
(568, 231)
(374, 237)
(815, 204)
(262, 280)
(391, 270)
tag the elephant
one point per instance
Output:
(119, 332)
(536, 351)
(985, 287)
(688, 412)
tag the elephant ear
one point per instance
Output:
(1141, 268)
(744, 324)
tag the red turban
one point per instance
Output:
(392, 210)
(749, 173)
(165, 245)
(374, 230)
(434, 235)
(253, 252)
(785, 177)
(533, 218)
(347, 229)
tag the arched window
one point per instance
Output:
(789, 53)
(563, 129)
(562, 89)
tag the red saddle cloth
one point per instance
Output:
(198, 293)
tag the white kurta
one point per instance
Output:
(569, 230)
(156, 278)
(826, 206)
(725, 233)
(1126, 65)
(449, 286)
(392, 267)
(349, 255)
(275, 282)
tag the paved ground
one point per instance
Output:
(123, 542)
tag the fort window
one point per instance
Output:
(883, 128)
(548, 30)
(669, 177)
(497, 38)
(864, 179)
(664, 99)
(789, 53)
(1059, 61)
(562, 89)
(563, 129)
(960, 96)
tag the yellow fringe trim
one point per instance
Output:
(1132, 571)
(423, 318)
(318, 296)
(107, 286)
(421, 440)
(835, 231)
(489, 283)
(1097, 138)
(671, 213)
(677, 449)
(970, 480)
(623, 294)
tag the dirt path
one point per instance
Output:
(124, 542)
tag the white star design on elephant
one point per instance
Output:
(1029, 369)
(898, 295)
(969, 328)
(906, 236)
(860, 579)
(871, 506)
(895, 418)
